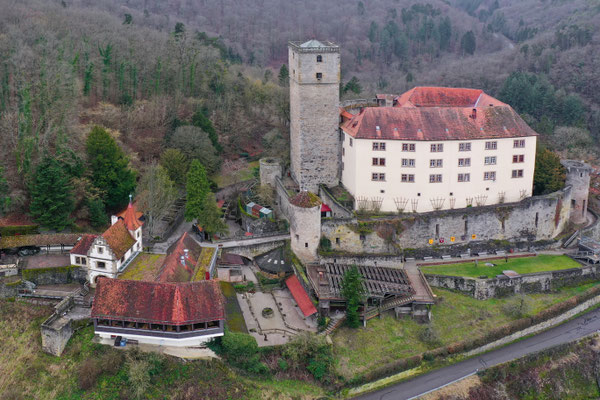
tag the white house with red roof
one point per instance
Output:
(435, 148)
(110, 253)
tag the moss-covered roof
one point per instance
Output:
(305, 199)
(13, 242)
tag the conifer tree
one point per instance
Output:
(97, 213)
(176, 164)
(109, 169)
(197, 188)
(284, 75)
(353, 293)
(200, 120)
(549, 175)
(51, 195)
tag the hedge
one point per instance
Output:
(497, 333)
(27, 274)
(13, 230)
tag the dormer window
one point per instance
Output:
(319, 76)
(319, 58)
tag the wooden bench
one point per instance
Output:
(446, 257)
(427, 258)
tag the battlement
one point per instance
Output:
(314, 46)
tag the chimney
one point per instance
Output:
(474, 115)
(186, 252)
(182, 260)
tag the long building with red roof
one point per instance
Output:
(435, 148)
(170, 314)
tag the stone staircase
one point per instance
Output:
(334, 323)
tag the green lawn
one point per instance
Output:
(455, 318)
(525, 265)
(235, 318)
(227, 177)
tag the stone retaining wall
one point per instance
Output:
(366, 260)
(57, 329)
(55, 276)
(503, 286)
(337, 210)
(535, 219)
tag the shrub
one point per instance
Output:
(429, 335)
(111, 362)
(312, 352)
(138, 376)
(241, 350)
(517, 307)
(88, 374)
(282, 364)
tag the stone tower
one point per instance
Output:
(578, 177)
(314, 113)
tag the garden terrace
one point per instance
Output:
(521, 265)
(378, 282)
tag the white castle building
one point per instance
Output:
(430, 148)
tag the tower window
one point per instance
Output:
(319, 75)
(319, 58)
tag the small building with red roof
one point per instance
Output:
(168, 314)
(110, 253)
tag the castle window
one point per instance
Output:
(343, 151)
(518, 158)
(517, 173)
(491, 145)
(337, 240)
(83, 260)
(464, 177)
(101, 265)
(342, 165)
(319, 58)
(379, 161)
(305, 244)
(489, 176)
(490, 160)
(408, 178)
(100, 250)
(437, 163)
(319, 76)
(519, 144)
(77, 260)
(408, 162)
(137, 235)
(379, 146)
(377, 176)
(437, 148)
(350, 142)
(435, 178)
(363, 237)
(464, 147)
(464, 162)
(408, 147)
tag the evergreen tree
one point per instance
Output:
(4, 193)
(353, 292)
(51, 195)
(200, 120)
(176, 164)
(468, 43)
(549, 175)
(97, 213)
(128, 19)
(353, 85)
(210, 217)
(284, 76)
(109, 169)
(197, 188)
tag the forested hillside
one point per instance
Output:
(172, 81)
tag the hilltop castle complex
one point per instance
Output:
(454, 165)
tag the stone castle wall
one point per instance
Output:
(578, 177)
(533, 219)
(337, 210)
(270, 170)
(305, 232)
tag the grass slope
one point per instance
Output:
(455, 317)
(525, 265)
(28, 373)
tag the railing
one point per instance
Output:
(571, 239)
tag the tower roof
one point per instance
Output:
(312, 43)
(130, 218)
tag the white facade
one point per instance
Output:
(161, 341)
(455, 177)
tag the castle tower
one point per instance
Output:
(578, 177)
(314, 113)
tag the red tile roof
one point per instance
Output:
(158, 303)
(446, 97)
(231, 259)
(299, 294)
(325, 208)
(172, 269)
(118, 238)
(83, 245)
(131, 219)
(436, 123)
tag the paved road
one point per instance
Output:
(567, 332)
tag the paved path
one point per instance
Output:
(567, 332)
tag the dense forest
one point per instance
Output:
(180, 80)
